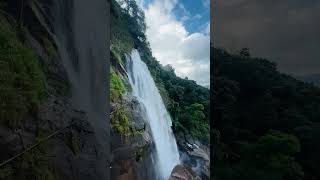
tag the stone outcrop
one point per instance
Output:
(195, 155)
(73, 147)
(181, 172)
(131, 155)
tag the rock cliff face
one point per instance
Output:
(70, 153)
(195, 155)
(131, 153)
(181, 172)
(64, 145)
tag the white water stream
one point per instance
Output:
(144, 88)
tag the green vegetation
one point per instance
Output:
(251, 98)
(187, 102)
(139, 154)
(22, 79)
(268, 158)
(117, 87)
(191, 117)
(120, 122)
(121, 39)
(34, 164)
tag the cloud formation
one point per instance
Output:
(171, 43)
(284, 31)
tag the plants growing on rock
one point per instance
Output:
(120, 121)
(22, 80)
(117, 87)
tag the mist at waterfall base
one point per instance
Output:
(80, 32)
(144, 88)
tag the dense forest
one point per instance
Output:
(186, 101)
(266, 124)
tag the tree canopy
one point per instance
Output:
(250, 98)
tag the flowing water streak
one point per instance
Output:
(80, 29)
(144, 88)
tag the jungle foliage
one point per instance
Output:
(266, 123)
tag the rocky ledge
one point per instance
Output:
(181, 172)
(131, 154)
(69, 147)
(195, 155)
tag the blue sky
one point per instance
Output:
(178, 32)
(195, 14)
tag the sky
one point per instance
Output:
(178, 32)
(284, 31)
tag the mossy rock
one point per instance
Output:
(120, 121)
(117, 87)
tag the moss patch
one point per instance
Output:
(120, 121)
(117, 87)
(21, 78)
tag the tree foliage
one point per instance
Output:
(250, 98)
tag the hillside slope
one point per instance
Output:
(266, 123)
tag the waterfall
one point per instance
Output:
(144, 88)
(81, 35)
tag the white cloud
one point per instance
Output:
(196, 47)
(171, 43)
(206, 3)
(185, 11)
(184, 18)
(197, 16)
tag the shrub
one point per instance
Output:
(117, 87)
(21, 77)
(120, 121)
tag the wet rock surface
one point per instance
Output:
(195, 155)
(131, 156)
(181, 172)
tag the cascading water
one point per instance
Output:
(81, 35)
(144, 88)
